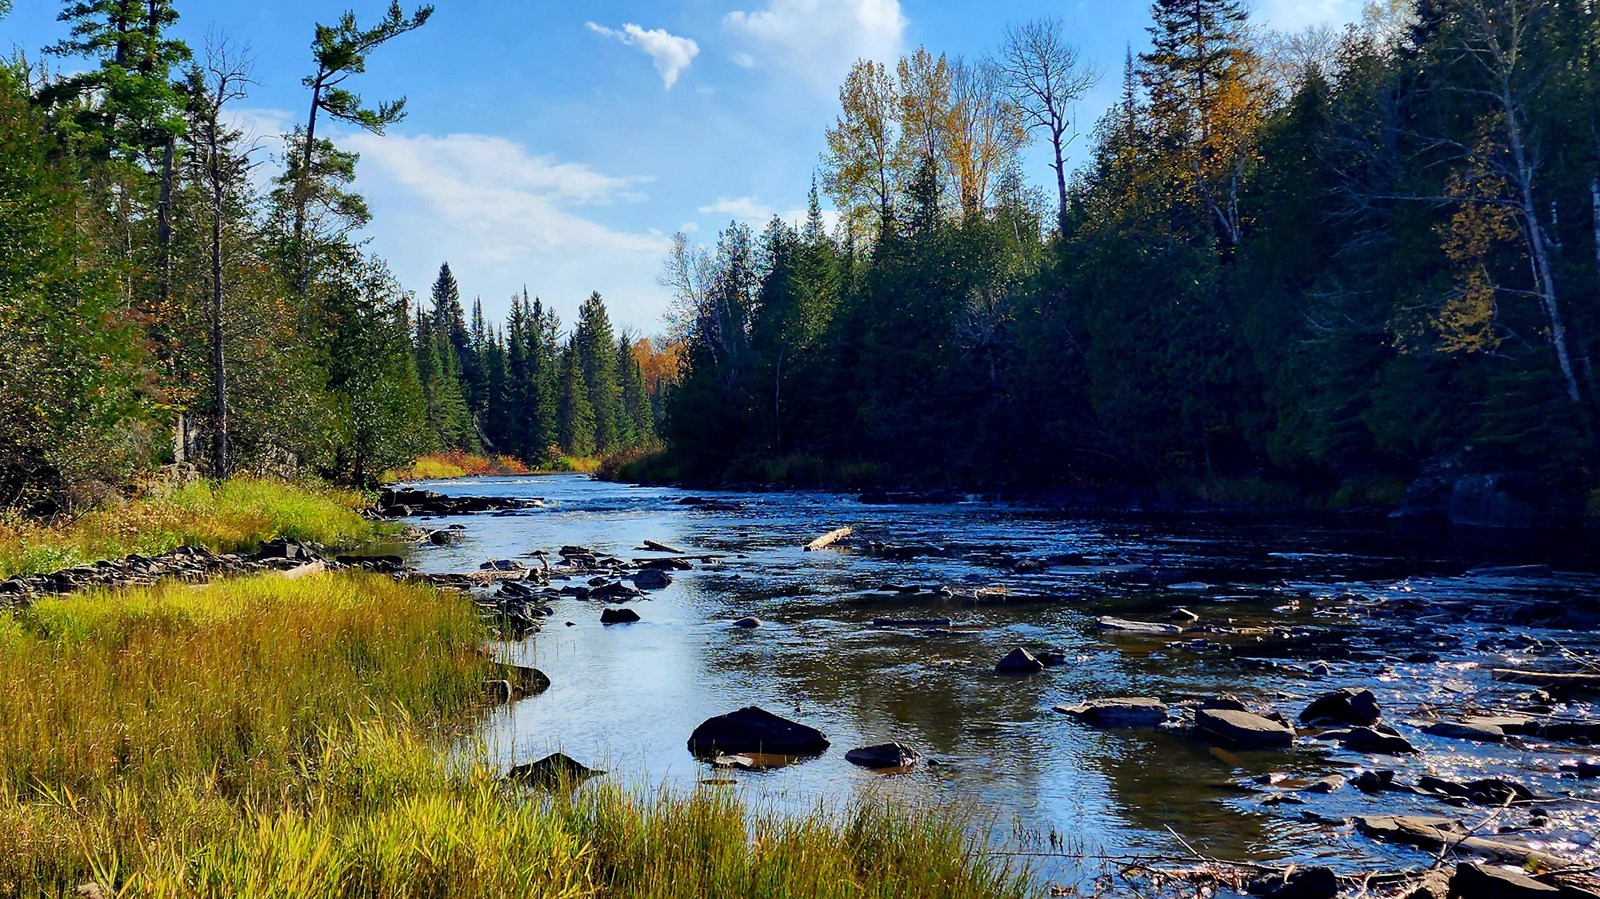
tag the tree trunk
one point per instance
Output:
(302, 188)
(1061, 180)
(219, 373)
(164, 223)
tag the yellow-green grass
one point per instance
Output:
(238, 514)
(454, 464)
(276, 737)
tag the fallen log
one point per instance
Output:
(1571, 680)
(829, 539)
(662, 548)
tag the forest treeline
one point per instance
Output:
(171, 291)
(1329, 260)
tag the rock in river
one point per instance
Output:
(1243, 729)
(553, 770)
(1476, 732)
(1370, 739)
(652, 579)
(1346, 706)
(753, 729)
(1019, 661)
(1137, 711)
(747, 622)
(1473, 881)
(885, 755)
(1297, 883)
(618, 616)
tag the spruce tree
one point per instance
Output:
(597, 354)
(576, 416)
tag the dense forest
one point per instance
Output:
(160, 303)
(1327, 261)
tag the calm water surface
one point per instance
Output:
(625, 698)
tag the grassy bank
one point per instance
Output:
(272, 737)
(458, 464)
(237, 514)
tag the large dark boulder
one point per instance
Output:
(1346, 706)
(1491, 501)
(754, 729)
(618, 616)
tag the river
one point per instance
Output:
(625, 698)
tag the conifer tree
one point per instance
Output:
(575, 415)
(596, 346)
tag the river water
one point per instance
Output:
(625, 698)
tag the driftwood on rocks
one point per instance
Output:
(829, 539)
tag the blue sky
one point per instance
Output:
(559, 144)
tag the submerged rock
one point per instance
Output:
(1345, 706)
(754, 729)
(1243, 729)
(748, 622)
(553, 770)
(1019, 662)
(1137, 711)
(652, 579)
(885, 755)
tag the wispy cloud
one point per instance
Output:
(510, 202)
(1294, 15)
(670, 53)
(820, 39)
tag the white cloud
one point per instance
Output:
(1296, 15)
(743, 60)
(511, 203)
(745, 209)
(822, 38)
(670, 53)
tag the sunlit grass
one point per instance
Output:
(237, 514)
(454, 464)
(277, 737)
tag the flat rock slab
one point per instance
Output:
(1476, 733)
(1245, 730)
(1370, 739)
(1122, 625)
(1433, 833)
(1488, 882)
(1130, 711)
(755, 730)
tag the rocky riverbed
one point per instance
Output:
(1106, 691)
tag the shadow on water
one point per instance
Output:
(625, 698)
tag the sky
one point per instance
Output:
(559, 145)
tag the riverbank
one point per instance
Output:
(1446, 497)
(290, 735)
(237, 515)
(458, 464)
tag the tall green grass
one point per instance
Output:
(237, 514)
(274, 737)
